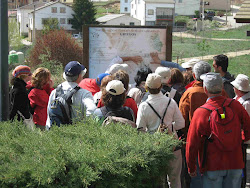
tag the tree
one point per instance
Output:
(84, 14)
(15, 40)
(58, 45)
(50, 25)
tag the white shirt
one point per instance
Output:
(245, 102)
(148, 121)
(82, 102)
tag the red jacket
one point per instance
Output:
(39, 100)
(192, 98)
(90, 85)
(129, 102)
(215, 158)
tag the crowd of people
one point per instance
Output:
(208, 111)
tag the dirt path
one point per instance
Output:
(188, 35)
(228, 54)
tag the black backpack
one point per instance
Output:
(122, 116)
(60, 107)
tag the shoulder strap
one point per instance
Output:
(154, 110)
(71, 93)
(162, 118)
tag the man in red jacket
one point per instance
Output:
(222, 168)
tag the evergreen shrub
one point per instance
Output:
(61, 45)
(82, 155)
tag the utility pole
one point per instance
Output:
(202, 19)
(4, 48)
(34, 28)
(226, 12)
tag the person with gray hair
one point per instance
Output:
(82, 101)
(215, 133)
(200, 68)
(192, 99)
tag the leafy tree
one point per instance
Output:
(58, 45)
(15, 40)
(50, 25)
(84, 14)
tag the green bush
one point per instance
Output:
(82, 155)
(181, 19)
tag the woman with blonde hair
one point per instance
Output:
(39, 95)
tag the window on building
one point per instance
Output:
(69, 21)
(62, 10)
(126, 9)
(62, 21)
(131, 23)
(180, 1)
(126, 1)
(150, 23)
(150, 12)
(53, 9)
(122, 24)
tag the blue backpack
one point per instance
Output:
(60, 107)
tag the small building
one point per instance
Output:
(186, 7)
(153, 12)
(23, 16)
(243, 15)
(118, 19)
(125, 6)
(53, 10)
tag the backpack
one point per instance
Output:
(115, 117)
(162, 128)
(60, 107)
(224, 125)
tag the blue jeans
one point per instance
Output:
(196, 182)
(222, 179)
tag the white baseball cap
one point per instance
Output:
(115, 87)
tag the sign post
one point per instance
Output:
(4, 83)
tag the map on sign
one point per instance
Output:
(106, 43)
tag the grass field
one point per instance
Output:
(239, 33)
(187, 47)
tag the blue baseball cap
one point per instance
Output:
(100, 77)
(74, 68)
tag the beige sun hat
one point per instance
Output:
(241, 83)
(153, 81)
(164, 73)
(190, 63)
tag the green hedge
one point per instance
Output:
(82, 155)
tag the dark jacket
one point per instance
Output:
(19, 100)
(228, 87)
